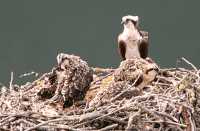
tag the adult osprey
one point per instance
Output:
(132, 42)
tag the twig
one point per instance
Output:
(158, 114)
(24, 121)
(31, 85)
(91, 115)
(103, 77)
(28, 74)
(168, 122)
(120, 94)
(3, 129)
(187, 117)
(21, 127)
(60, 126)
(131, 117)
(11, 81)
(100, 117)
(7, 122)
(124, 91)
(54, 120)
(116, 120)
(189, 63)
(109, 127)
(100, 70)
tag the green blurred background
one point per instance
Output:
(33, 32)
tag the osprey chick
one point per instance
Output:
(132, 42)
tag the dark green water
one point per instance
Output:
(32, 32)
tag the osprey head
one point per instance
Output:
(130, 18)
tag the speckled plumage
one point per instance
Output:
(74, 77)
(70, 80)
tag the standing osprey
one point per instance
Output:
(132, 42)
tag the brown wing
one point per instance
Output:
(122, 48)
(143, 48)
(144, 33)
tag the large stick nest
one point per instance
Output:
(136, 96)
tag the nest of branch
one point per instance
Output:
(136, 96)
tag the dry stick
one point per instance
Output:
(189, 63)
(91, 115)
(172, 100)
(161, 84)
(22, 114)
(11, 81)
(123, 107)
(30, 86)
(132, 116)
(87, 129)
(102, 116)
(4, 115)
(158, 114)
(168, 122)
(21, 127)
(137, 98)
(9, 120)
(188, 119)
(170, 128)
(60, 126)
(109, 127)
(23, 121)
(54, 120)
(165, 115)
(103, 77)
(13, 117)
(175, 102)
(42, 128)
(102, 70)
(116, 120)
(193, 125)
(28, 74)
(117, 96)
(3, 129)
(163, 78)
(83, 123)
(124, 91)
(168, 69)
(5, 119)
(80, 124)
(198, 76)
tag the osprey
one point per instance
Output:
(132, 42)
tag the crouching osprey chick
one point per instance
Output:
(71, 79)
(74, 77)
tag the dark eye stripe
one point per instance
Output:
(134, 22)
